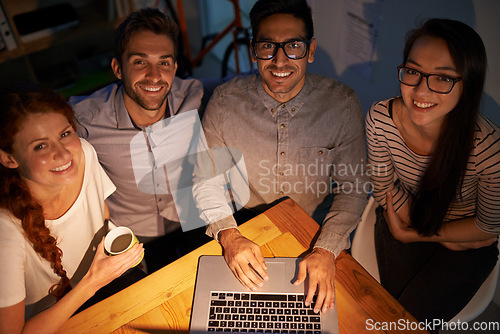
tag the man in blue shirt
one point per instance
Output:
(147, 94)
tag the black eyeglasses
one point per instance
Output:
(293, 49)
(438, 83)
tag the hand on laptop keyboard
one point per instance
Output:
(243, 255)
(320, 265)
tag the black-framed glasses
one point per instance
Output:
(295, 50)
(438, 83)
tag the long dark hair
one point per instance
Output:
(17, 102)
(443, 177)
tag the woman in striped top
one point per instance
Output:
(435, 173)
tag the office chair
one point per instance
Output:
(482, 298)
(363, 244)
(363, 250)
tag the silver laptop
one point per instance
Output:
(222, 304)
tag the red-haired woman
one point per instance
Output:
(52, 214)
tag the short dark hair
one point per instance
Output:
(265, 8)
(147, 19)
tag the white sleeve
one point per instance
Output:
(12, 261)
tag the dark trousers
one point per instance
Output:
(429, 280)
(168, 248)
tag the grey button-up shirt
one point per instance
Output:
(311, 149)
(104, 121)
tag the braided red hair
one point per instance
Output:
(16, 103)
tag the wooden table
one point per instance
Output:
(161, 302)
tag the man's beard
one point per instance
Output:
(151, 104)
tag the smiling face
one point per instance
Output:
(46, 152)
(426, 108)
(283, 78)
(147, 71)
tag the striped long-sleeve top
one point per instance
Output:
(396, 168)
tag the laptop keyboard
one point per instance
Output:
(262, 313)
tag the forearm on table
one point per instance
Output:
(54, 317)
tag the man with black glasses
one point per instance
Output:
(300, 135)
